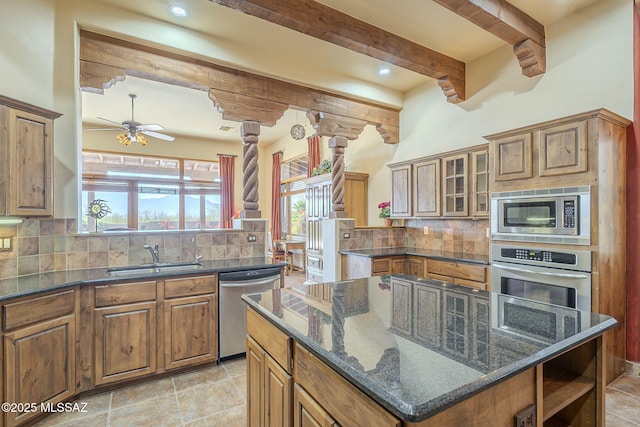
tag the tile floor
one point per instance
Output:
(213, 396)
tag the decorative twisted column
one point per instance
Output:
(337, 145)
(337, 319)
(250, 131)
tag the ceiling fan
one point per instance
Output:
(135, 131)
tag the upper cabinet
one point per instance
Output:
(553, 154)
(26, 144)
(442, 186)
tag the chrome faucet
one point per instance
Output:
(154, 253)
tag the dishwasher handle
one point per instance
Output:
(251, 282)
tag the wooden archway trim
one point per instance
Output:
(104, 60)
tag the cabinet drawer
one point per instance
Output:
(125, 293)
(476, 273)
(315, 275)
(341, 399)
(270, 338)
(189, 286)
(471, 283)
(34, 310)
(314, 262)
(380, 266)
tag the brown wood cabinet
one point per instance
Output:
(125, 342)
(587, 149)
(39, 361)
(307, 412)
(190, 305)
(26, 160)
(442, 186)
(458, 273)
(454, 185)
(269, 380)
(355, 267)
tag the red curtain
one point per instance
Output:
(227, 166)
(314, 153)
(276, 212)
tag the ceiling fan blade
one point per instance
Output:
(149, 127)
(110, 121)
(158, 135)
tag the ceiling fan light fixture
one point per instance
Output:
(142, 139)
(178, 10)
(124, 139)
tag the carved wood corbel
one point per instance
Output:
(327, 124)
(532, 58)
(241, 108)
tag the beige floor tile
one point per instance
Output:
(236, 367)
(95, 405)
(96, 420)
(137, 393)
(628, 384)
(616, 421)
(158, 412)
(236, 417)
(208, 399)
(623, 405)
(203, 376)
(241, 385)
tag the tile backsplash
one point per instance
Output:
(459, 235)
(45, 245)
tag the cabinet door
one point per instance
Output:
(454, 185)
(308, 413)
(255, 383)
(125, 340)
(455, 328)
(278, 395)
(399, 265)
(563, 149)
(30, 164)
(401, 191)
(197, 315)
(480, 183)
(512, 158)
(426, 188)
(415, 266)
(39, 364)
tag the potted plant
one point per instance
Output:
(385, 212)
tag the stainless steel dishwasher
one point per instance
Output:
(232, 324)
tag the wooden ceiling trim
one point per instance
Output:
(241, 108)
(322, 22)
(503, 20)
(104, 60)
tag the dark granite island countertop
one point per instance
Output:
(427, 253)
(36, 283)
(417, 365)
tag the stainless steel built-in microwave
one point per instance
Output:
(560, 212)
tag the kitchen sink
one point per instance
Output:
(163, 267)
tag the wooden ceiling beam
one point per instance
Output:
(324, 23)
(105, 60)
(509, 23)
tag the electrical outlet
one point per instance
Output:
(251, 238)
(5, 244)
(526, 417)
(426, 230)
(487, 232)
(346, 235)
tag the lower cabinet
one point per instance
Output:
(312, 395)
(39, 353)
(308, 413)
(458, 273)
(125, 342)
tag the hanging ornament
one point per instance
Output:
(297, 131)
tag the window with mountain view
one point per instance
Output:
(150, 193)
(293, 199)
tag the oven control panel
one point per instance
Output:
(569, 213)
(538, 255)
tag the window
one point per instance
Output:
(292, 196)
(150, 193)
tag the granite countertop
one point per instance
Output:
(36, 283)
(416, 364)
(428, 253)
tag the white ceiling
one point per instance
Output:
(285, 54)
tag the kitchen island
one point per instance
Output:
(399, 350)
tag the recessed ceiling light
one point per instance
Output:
(384, 71)
(179, 11)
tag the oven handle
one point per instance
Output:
(524, 270)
